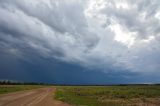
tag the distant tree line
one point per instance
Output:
(10, 82)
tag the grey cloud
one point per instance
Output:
(132, 17)
(79, 31)
(37, 28)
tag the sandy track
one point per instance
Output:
(37, 97)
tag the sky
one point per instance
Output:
(80, 41)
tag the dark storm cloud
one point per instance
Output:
(106, 35)
(39, 29)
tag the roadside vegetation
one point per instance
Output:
(8, 86)
(13, 88)
(132, 95)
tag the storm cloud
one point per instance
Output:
(101, 34)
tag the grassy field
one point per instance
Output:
(13, 88)
(148, 95)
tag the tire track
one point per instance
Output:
(38, 97)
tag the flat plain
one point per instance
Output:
(137, 95)
(37, 95)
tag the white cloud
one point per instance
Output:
(100, 33)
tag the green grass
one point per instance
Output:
(109, 95)
(13, 88)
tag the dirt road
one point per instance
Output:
(37, 97)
